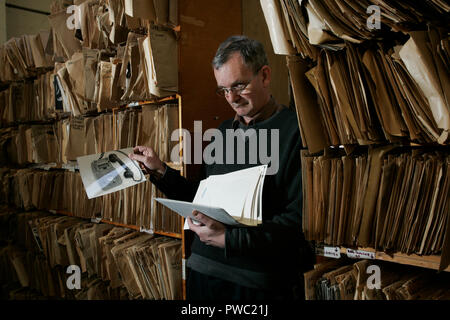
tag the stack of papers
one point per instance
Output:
(390, 199)
(303, 27)
(234, 198)
(340, 280)
(362, 96)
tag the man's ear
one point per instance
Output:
(266, 73)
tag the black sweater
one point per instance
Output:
(269, 255)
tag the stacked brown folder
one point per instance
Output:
(24, 57)
(63, 191)
(65, 140)
(124, 51)
(302, 27)
(151, 266)
(116, 61)
(366, 92)
(28, 101)
(343, 280)
(391, 199)
(367, 96)
(116, 263)
(51, 190)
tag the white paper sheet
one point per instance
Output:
(233, 198)
(185, 209)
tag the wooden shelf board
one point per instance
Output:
(429, 262)
(162, 233)
(169, 234)
(120, 225)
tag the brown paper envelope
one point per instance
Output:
(39, 57)
(76, 140)
(344, 215)
(384, 194)
(309, 118)
(445, 256)
(161, 11)
(140, 9)
(419, 61)
(388, 114)
(164, 50)
(104, 99)
(58, 22)
(375, 159)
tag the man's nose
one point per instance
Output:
(232, 96)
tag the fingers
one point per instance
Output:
(200, 217)
(139, 149)
(138, 157)
(143, 150)
(191, 224)
(209, 231)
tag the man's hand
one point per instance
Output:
(148, 159)
(209, 230)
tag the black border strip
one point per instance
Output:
(9, 5)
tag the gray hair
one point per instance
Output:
(252, 51)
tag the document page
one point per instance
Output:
(233, 198)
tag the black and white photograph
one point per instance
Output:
(109, 172)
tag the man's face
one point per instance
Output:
(255, 96)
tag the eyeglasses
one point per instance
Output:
(237, 89)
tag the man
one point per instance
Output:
(264, 262)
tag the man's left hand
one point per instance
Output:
(210, 231)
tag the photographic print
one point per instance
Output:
(109, 172)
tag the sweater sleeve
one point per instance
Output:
(175, 186)
(277, 236)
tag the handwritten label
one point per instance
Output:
(329, 252)
(332, 252)
(360, 254)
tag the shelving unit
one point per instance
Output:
(202, 27)
(328, 78)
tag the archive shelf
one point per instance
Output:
(429, 262)
(133, 227)
(314, 68)
(202, 27)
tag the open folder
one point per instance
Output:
(233, 198)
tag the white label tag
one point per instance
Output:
(360, 254)
(332, 252)
(142, 229)
(70, 166)
(96, 220)
(329, 252)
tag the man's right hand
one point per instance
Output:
(148, 159)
